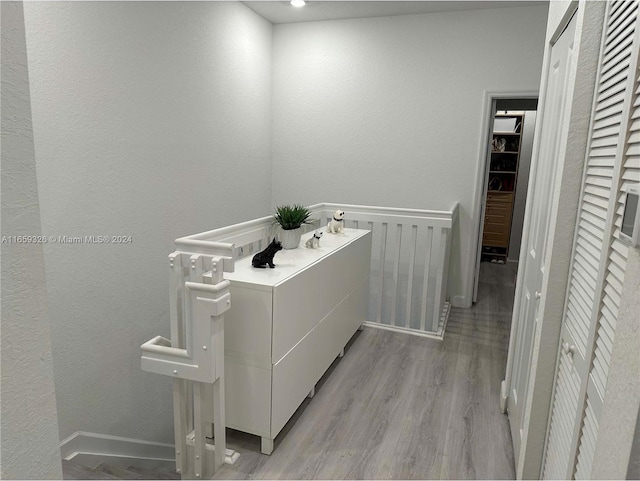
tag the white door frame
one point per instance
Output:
(484, 157)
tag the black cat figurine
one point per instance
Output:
(261, 259)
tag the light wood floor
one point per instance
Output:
(403, 407)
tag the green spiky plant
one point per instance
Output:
(291, 216)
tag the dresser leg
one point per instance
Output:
(266, 445)
(312, 392)
(341, 354)
(361, 328)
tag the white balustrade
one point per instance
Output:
(409, 264)
(194, 357)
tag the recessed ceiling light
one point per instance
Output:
(298, 3)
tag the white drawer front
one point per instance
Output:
(247, 397)
(303, 300)
(338, 327)
(293, 378)
(349, 267)
(247, 325)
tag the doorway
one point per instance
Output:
(511, 124)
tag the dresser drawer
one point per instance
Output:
(496, 228)
(293, 378)
(495, 239)
(341, 324)
(498, 207)
(500, 197)
(300, 303)
(497, 217)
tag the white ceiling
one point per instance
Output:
(283, 12)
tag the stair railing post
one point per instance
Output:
(195, 359)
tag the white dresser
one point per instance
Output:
(288, 324)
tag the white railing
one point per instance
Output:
(409, 264)
(409, 261)
(194, 358)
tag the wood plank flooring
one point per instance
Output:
(403, 407)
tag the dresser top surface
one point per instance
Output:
(288, 262)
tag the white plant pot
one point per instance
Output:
(290, 238)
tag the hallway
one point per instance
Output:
(403, 407)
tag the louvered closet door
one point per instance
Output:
(614, 277)
(598, 258)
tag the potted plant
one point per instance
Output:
(290, 217)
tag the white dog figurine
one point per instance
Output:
(314, 241)
(336, 225)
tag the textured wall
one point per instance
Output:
(618, 427)
(633, 471)
(29, 422)
(151, 120)
(388, 111)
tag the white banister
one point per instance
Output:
(383, 229)
(425, 280)
(194, 357)
(412, 261)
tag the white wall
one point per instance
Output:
(388, 111)
(618, 424)
(524, 164)
(148, 118)
(29, 422)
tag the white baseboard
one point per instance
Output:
(95, 460)
(503, 397)
(404, 330)
(460, 301)
(91, 449)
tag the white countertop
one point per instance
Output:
(290, 261)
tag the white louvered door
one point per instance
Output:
(612, 288)
(598, 258)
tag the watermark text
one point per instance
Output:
(67, 239)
